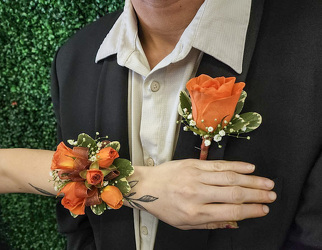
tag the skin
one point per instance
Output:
(186, 199)
(198, 194)
(162, 27)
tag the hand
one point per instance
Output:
(195, 194)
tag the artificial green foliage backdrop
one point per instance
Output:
(30, 33)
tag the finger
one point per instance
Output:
(220, 166)
(212, 225)
(235, 194)
(230, 178)
(227, 212)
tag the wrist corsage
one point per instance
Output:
(90, 174)
(214, 110)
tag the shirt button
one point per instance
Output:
(144, 230)
(155, 86)
(150, 162)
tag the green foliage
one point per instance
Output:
(30, 33)
(85, 140)
(241, 101)
(99, 209)
(185, 103)
(126, 169)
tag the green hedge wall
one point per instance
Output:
(30, 33)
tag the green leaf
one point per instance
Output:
(240, 103)
(87, 185)
(237, 123)
(83, 174)
(85, 140)
(124, 166)
(99, 209)
(254, 121)
(106, 171)
(185, 102)
(94, 165)
(74, 215)
(122, 184)
(114, 144)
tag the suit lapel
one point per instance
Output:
(111, 104)
(188, 144)
(111, 119)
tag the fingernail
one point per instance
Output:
(231, 225)
(251, 167)
(269, 183)
(265, 209)
(272, 195)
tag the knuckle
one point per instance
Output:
(219, 166)
(237, 194)
(191, 164)
(188, 176)
(261, 196)
(236, 213)
(253, 181)
(231, 178)
(188, 192)
(191, 215)
(184, 163)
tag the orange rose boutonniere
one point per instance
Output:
(214, 110)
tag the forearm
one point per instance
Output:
(25, 171)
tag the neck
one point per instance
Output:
(161, 24)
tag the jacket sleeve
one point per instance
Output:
(306, 231)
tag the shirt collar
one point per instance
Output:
(218, 29)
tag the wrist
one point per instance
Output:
(143, 193)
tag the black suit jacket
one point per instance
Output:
(282, 69)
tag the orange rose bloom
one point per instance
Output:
(213, 98)
(69, 159)
(75, 197)
(106, 157)
(94, 177)
(112, 196)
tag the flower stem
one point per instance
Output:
(204, 150)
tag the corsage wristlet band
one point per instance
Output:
(91, 174)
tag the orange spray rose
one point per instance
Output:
(69, 159)
(112, 196)
(106, 157)
(94, 177)
(75, 197)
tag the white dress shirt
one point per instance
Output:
(218, 29)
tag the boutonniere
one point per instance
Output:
(90, 174)
(213, 110)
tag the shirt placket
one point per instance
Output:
(150, 133)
